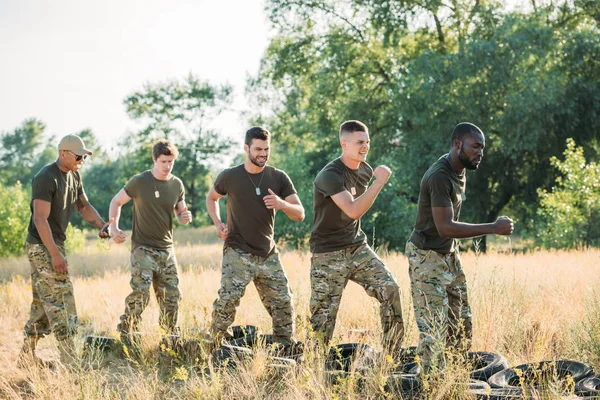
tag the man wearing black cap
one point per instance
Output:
(57, 189)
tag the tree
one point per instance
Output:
(570, 212)
(411, 70)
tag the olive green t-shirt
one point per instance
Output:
(153, 216)
(333, 229)
(441, 186)
(61, 190)
(249, 221)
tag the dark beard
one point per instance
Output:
(468, 164)
(255, 162)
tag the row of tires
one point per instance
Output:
(489, 373)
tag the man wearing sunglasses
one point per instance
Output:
(57, 190)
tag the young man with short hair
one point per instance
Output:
(339, 246)
(157, 195)
(439, 287)
(255, 191)
(57, 189)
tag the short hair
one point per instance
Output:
(256, 132)
(164, 147)
(463, 129)
(352, 126)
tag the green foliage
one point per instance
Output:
(14, 219)
(75, 239)
(569, 214)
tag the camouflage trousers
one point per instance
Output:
(329, 274)
(53, 304)
(150, 266)
(239, 269)
(442, 312)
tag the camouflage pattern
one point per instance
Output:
(329, 274)
(53, 304)
(159, 268)
(442, 312)
(239, 269)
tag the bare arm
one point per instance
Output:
(291, 205)
(212, 206)
(184, 216)
(443, 217)
(356, 208)
(41, 212)
(89, 213)
(114, 213)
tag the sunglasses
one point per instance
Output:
(77, 157)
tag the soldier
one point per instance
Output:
(56, 190)
(339, 246)
(438, 284)
(255, 191)
(157, 196)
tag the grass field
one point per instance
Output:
(529, 307)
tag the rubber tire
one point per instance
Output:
(342, 356)
(508, 378)
(241, 331)
(403, 385)
(485, 364)
(497, 394)
(101, 343)
(230, 356)
(588, 387)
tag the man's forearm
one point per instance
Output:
(295, 212)
(212, 207)
(114, 213)
(91, 216)
(463, 230)
(363, 203)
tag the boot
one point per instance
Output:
(28, 357)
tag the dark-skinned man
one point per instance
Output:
(438, 284)
(57, 190)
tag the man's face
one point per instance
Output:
(471, 151)
(356, 145)
(71, 160)
(164, 164)
(258, 152)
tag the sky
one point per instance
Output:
(71, 63)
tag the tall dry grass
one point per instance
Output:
(530, 307)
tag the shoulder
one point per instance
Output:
(231, 171)
(279, 173)
(47, 173)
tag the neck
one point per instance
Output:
(352, 164)
(253, 169)
(455, 162)
(159, 176)
(61, 166)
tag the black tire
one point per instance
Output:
(485, 364)
(342, 357)
(588, 387)
(337, 377)
(230, 356)
(245, 341)
(407, 355)
(534, 375)
(403, 385)
(241, 331)
(99, 343)
(497, 394)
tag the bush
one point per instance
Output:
(14, 218)
(569, 215)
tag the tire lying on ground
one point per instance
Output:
(294, 352)
(177, 350)
(406, 381)
(242, 331)
(343, 357)
(230, 356)
(536, 375)
(485, 364)
(100, 344)
(589, 387)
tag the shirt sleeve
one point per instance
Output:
(220, 184)
(43, 188)
(131, 187)
(329, 183)
(287, 187)
(440, 191)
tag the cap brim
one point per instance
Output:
(82, 152)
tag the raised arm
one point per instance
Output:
(443, 217)
(291, 205)
(357, 207)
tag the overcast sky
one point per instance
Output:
(71, 63)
